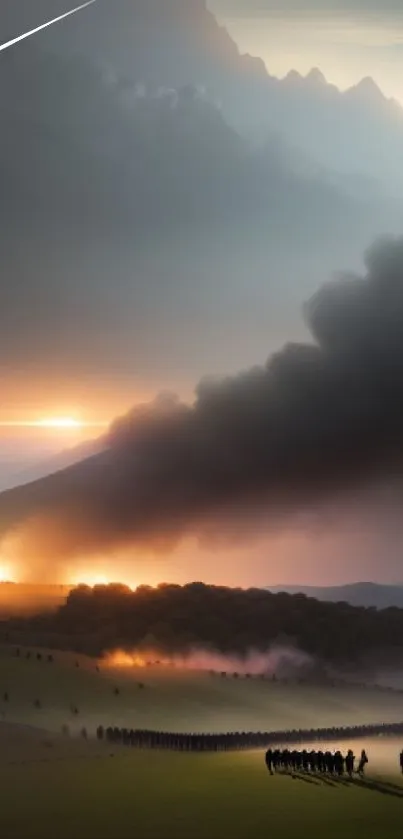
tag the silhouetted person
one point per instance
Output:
(362, 763)
(401, 761)
(350, 763)
(286, 759)
(269, 760)
(339, 763)
(116, 691)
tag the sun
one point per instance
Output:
(5, 574)
(60, 422)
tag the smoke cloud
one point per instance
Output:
(316, 421)
(279, 660)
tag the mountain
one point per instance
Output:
(66, 458)
(178, 42)
(79, 151)
(160, 190)
(60, 489)
(357, 594)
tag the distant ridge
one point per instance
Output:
(366, 594)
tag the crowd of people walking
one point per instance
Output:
(332, 763)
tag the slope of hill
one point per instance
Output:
(66, 458)
(175, 698)
(357, 594)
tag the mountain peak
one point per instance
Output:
(367, 89)
(316, 77)
(293, 77)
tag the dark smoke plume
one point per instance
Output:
(317, 420)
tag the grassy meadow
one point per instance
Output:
(175, 699)
(98, 794)
(57, 787)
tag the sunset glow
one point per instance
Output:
(60, 422)
(6, 575)
(57, 423)
(90, 578)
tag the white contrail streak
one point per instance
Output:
(44, 26)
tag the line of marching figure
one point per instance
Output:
(229, 741)
(333, 763)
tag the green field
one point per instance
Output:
(55, 787)
(177, 700)
(162, 795)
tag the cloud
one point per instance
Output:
(316, 421)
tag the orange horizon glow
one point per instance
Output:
(96, 578)
(90, 579)
(58, 423)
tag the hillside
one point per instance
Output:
(174, 698)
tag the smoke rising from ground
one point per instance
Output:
(316, 421)
(278, 660)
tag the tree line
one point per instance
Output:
(177, 619)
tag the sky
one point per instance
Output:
(346, 44)
(347, 40)
(101, 321)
